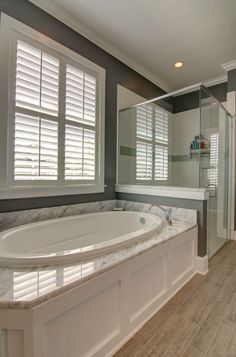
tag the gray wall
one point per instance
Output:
(191, 100)
(116, 73)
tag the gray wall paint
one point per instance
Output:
(116, 73)
(199, 206)
(189, 101)
(232, 80)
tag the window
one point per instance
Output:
(55, 119)
(151, 143)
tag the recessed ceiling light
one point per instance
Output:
(179, 64)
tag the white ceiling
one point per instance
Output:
(153, 34)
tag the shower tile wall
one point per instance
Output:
(184, 171)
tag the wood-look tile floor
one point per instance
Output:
(200, 320)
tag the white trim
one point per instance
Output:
(201, 265)
(62, 15)
(208, 83)
(10, 27)
(228, 66)
(214, 81)
(27, 192)
(165, 191)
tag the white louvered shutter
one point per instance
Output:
(144, 122)
(161, 126)
(35, 137)
(161, 162)
(143, 161)
(35, 148)
(214, 160)
(151, 143)
(37, 79)
(161, 144)
(80, 134)
(144, 142)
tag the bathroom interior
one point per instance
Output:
(117, 180)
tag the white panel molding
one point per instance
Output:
(202, 265)
(71, 21)
(165, 191)
(112, 306)
(228, 66)
(214, 81)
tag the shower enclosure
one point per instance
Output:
(181, 139)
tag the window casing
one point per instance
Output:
(151, 143)
(55, 117)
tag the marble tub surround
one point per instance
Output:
(177, 214)
(28, 287)
(17, 218)
(13, 219)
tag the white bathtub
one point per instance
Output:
(75, 238)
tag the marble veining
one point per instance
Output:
(27, 287)
(179, 214)
(42, 284)
(17, 218)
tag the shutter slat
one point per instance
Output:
(79, 153)
(80, 96)
(37, 79)
(36, 148)
(161, 163)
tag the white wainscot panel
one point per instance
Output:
(183, 259)
(147, 285)
(86, 328)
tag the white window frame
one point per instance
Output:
(10, 30)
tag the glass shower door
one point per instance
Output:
(215, 171)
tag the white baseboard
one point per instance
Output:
(202, 265)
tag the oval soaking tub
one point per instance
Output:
(75, 238)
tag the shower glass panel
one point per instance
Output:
(181, 139)
(214, 174)
(154, 143)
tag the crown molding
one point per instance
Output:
(214, 81)
(62, 15)
(228, 66)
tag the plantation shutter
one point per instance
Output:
(80, 132)
(151, 143)
(161, 144)
(143, 161)
(42, 143)
(144, 142)
(144, 122)
(161, 126)
(214, 159)
(36, 93)
(37, 79)
(161, 162)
